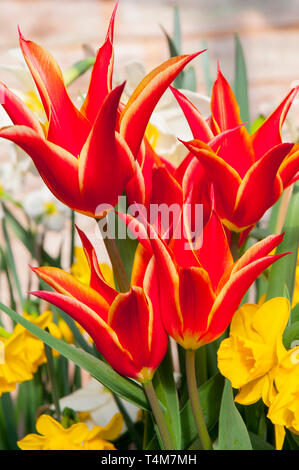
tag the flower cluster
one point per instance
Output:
(187, 276)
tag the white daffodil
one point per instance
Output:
(12, 172)
(42, 206)
(167, 122)
(26, 90)
(96, 405)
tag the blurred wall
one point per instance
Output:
(269, 31)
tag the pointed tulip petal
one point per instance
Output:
(52, 163)
(225, 109)
(229, 298)
(138, 110)
(101, 76)
(288, 170)
(18, 112)
(159, 341)
(252, 204)
(196, 300)
(68, 285)
(220, 174)
(67, 127)
(198, 125)
(103, 152)
(269, 133)
(238, 151)
(97, 281)
(214, 255)
(258, 250)
(105, 338)
(181, 169)
(141, 260)
(131, 317)
(167, 199)
(136, 189)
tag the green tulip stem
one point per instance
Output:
(202, 431)
(158, 415)
(117, 264)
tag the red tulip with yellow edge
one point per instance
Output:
(125, 327)
(248, 172)
(77, 151)
(204, 286)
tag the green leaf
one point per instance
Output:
(189, 79)
(233, 434)
(282, 272)
(122, 386)
(258, 443)
(295, 313)
(27, 237)
(240, 82)
(7, 273)
(177, 30)
(291, 335)
(78, 69)
(257, 123)
(9, 420)
(173, 51)
(126, 246)
(11, 262)
(210, 397)
(165, 389)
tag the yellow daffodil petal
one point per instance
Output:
(279, 436)
(251, 392)
(113, 429)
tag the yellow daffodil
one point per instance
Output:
(249, 357)
(284, 409)
(33, 344)
(53, 436)
(15, 367)
(23, 352)
(65, 331)
(81, 270)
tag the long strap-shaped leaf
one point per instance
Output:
(233, 434)
(282, 275)
(123, 387)
(165, 389)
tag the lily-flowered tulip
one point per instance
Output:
(204, 287)
(248, 172)
(126, 328)
(76, 151)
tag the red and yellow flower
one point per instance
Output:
(248, 172)
(77, 151)
(126, 327)
(204, 285)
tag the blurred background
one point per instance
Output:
(268, 29)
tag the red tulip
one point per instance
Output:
(86, 157)
(126, 327)
(201, 289)
(248, 172)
